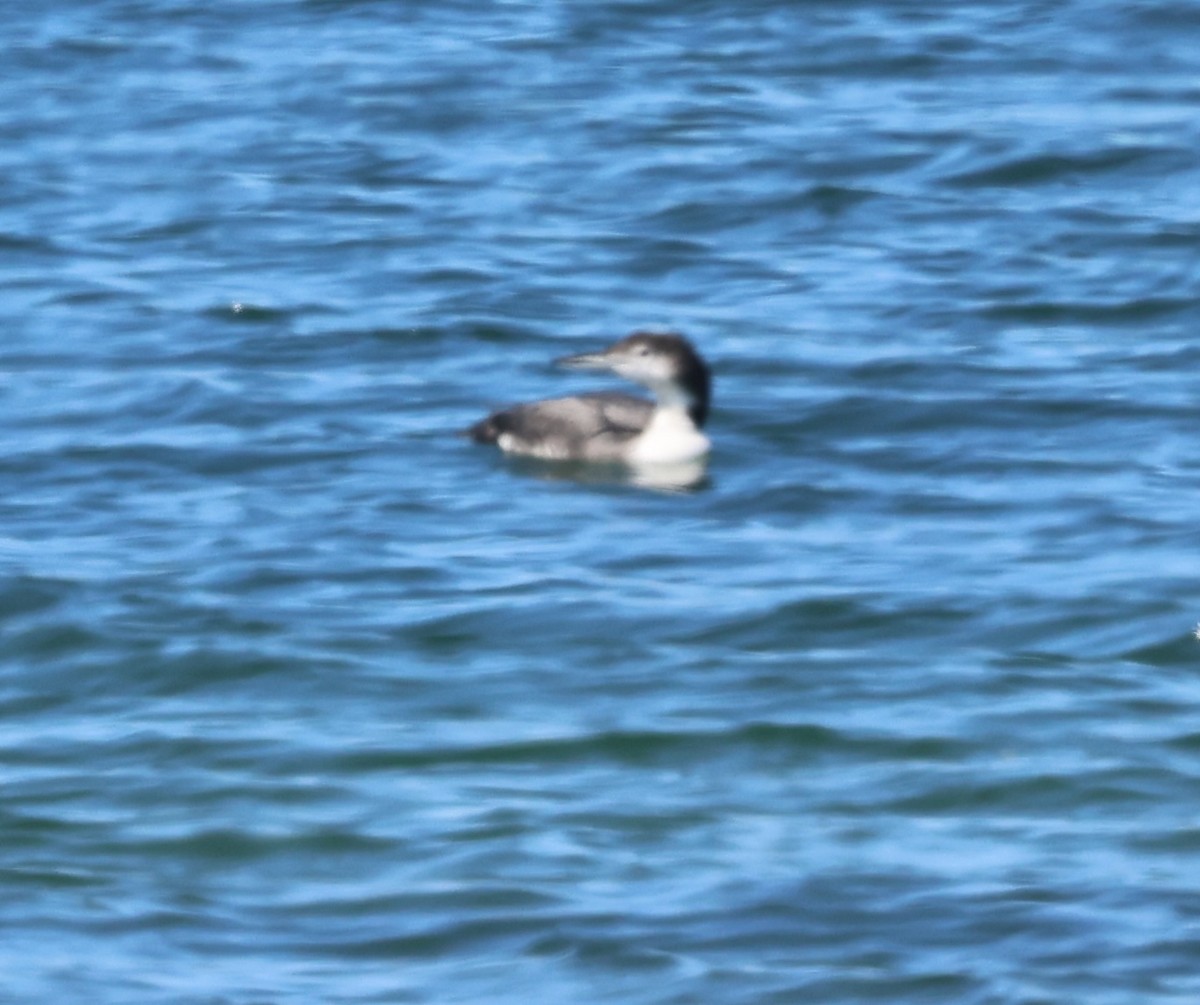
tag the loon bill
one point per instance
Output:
(609, 427)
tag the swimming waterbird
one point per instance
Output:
(609, 427)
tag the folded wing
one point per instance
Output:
(586, 427)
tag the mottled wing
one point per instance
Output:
(620, 414)
(585, 427)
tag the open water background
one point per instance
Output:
(304, 699)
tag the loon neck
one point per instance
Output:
(675, 397)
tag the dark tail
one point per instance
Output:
(485, 431)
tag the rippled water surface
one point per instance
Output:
(303, 698)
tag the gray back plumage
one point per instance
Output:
(586, 427)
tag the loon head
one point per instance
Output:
(666, 364)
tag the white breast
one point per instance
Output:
(669, 438)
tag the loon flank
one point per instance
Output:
(608, 427)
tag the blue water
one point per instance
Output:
(304, 698)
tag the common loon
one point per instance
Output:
(608, 427)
